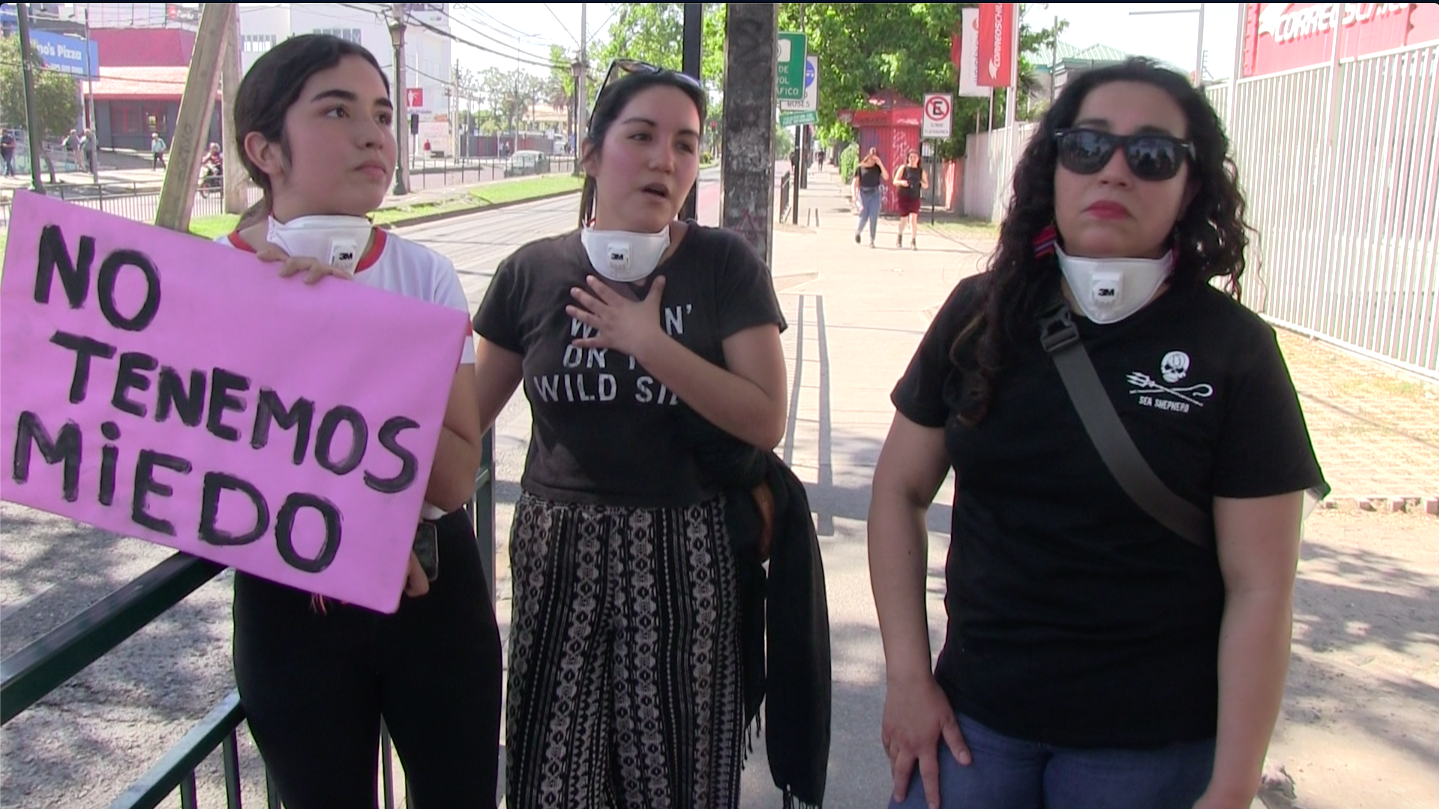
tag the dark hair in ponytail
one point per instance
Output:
(611, 102)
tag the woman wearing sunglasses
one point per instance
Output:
(1093, 657)
(625, 674)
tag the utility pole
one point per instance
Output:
(751, 54)
(236, 201)
(192, 124)
(582, 106)
(32, 121)
(402, 121)
(693, 44)
(90, 102)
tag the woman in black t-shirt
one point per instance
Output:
(625, 673)
(910, 184)
(1093, 657)
(867, 192)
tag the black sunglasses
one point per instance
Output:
(1150, 156)
(620, 68)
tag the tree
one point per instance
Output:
(57, 102)
(654, 33)
(866, 49)
(509, 96)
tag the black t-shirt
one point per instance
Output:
(870, 177)
(1074, 617)
(604, 430)
(915, 177)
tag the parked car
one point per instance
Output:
(525, 162)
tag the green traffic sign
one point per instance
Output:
(790, 79)
(798, 117)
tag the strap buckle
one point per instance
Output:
(1057, 329)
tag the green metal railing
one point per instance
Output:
(31, 673)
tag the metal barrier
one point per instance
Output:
(1346, 202)
(34, 671)
(427, 173)
(784, 196)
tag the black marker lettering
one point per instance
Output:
(145, 485)
(406, 476)
(55, 256)
(359, 438)
(171, 395)
(84, 348)
(128, 377)
(271, 409)
(109, 457)
(217, 482)
(110, 273)
(285, 526)
(66, 448)
(222, 384)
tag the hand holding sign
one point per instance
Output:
(166, 388)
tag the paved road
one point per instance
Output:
(100, 731)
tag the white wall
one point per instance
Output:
(426, 52)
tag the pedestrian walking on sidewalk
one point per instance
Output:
(867, 193)
(910, 184)
(1118, 633)
(87, 149)
(157, 151)
(71, 145)
(7, 152)
(641, 341)
(315, 126)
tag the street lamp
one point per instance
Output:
(1198, 48)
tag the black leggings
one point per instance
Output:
(314, 685)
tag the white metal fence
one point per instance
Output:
(1346, 205)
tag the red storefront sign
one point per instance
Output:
(996, 44)
(1285, 36)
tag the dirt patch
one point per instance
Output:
(1360, 724)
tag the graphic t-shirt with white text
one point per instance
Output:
(605, 430)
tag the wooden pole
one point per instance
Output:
(192, 124)
(236, 199)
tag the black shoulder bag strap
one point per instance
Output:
(1060, 338)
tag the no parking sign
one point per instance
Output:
(938, 115)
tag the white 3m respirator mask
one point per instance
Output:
(1107, 290)
(623, 256)
(336, 240)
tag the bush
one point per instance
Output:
(848, 162)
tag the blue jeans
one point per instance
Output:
(869, 204)
(1008, 773)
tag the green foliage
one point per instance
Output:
(654, 33)
(848, 163)
(865, 49)
(783, 141)
(56, 102)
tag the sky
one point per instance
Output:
(1173, 37)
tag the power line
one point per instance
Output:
(561, 22)
(493, 38)
(493, 20)
(478, 47)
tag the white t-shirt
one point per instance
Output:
(398, 265)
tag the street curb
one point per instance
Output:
(443, 215)
(1392, 504)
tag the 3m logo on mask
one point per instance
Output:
(619, 256)
(1173, 368)
(1105, 289)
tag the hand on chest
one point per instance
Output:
(558, 371)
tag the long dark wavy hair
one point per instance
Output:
(1209, 238)
(611, 102)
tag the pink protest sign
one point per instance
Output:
(163, 387)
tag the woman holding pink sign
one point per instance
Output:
(315, 131)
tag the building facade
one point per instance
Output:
(429, 64)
